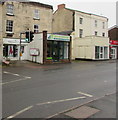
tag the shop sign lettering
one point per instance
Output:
(58, 37)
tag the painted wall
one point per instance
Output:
(36, 43)
(1, 33)
(85, 47)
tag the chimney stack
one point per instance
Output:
(61, 6)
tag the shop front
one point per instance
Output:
(11, 48)
(57, 48)
(113, 49)
(52, 48)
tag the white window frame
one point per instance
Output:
(102, 54)
(36, 29)
(36, 14)
(96, 22)
(103, 25)
(96, 33)
(9, 25)
(81, 20)
(113, 53)
(80, 33)
(10, 9)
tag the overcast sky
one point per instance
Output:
(105, 8)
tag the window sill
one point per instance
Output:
(36, 18)
(9, 33)
(9, 14)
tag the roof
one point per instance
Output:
(115, 26)
(30, 2)
(85, 13)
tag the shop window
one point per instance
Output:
(101, 52)
(49, 49)
(10, 9)
(97, 52)
(9, 26)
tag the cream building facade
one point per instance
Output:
(19, 17)
(89, 32)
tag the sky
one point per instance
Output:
(105, 8)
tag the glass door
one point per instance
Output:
(113, 53)
(55, 52)
(101, 52)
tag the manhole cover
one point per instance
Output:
(82, 112)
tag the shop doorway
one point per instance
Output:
(113, 53)
(57, 50)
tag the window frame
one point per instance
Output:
(36, 29)
(96, 23)
(36, 14)
(9, 25)
(80, 33)
(10, 9)
(96, 33)
(81, 20)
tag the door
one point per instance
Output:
(113, 53)
(55, 51)
(101, 53)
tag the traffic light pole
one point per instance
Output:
(20, 47)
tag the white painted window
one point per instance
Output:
(36, 28)
(96, 33)
(80, 33)
(81, 20)
(36, 14)
(9, 26)
(10, 9)
(103, 34)
(103, 25)
(96, 23)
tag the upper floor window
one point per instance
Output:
(10, 9)
(36, 14)
(103, 25)
(95, 23)
(80, 33)
(96, 33)
(103, 34)
(81, 20)
(36, 28)
(9, 26)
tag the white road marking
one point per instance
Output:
(21, 79)
(18, 113)
(64, 100)
(14, 81)
(86, 94)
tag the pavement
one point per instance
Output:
(105, 106)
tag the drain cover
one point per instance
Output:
(82, 112)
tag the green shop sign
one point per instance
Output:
(58, 37)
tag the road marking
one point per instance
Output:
(21, 79)
(86, 94)
(14, 81)
(16, 114)
(64, 100)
